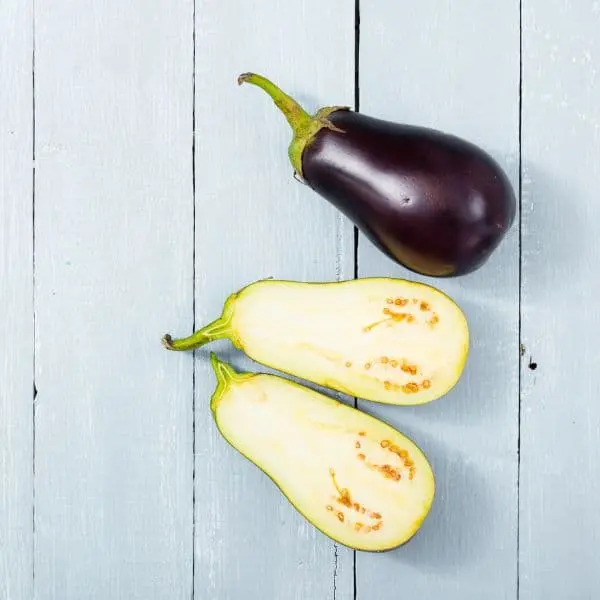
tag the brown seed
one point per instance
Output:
(361, 457)
(386, 311)
(403, 454)
(361, 433)
(340, 516)
(357, 526)
(410, 318)
(396, 316)
(408, 463)
(367, 366)
(394, 449)
(393, 364)
(376, 526)
(357, 444)
(426, 384)
(329, 507)
(375, 515)
(398, 302)
(356, 506)
(425, 306)
(390, 301)
(411, 475)
(387, 385)
(384, 360)
(363, 510)
(348, 364)
(389, 473)
(410, 387)
(385, 443)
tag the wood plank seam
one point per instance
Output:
(520, 299)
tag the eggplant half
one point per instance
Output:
(387, 340)
(355, 478)
(432, 202)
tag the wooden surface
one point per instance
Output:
(114, 248)
(118, 485)
(16, 302)
(560, 423)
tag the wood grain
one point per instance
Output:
(436, 64)
(560, 431)
(253, 221)
(16, 301)
(114, 247)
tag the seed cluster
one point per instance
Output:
(398, 316)
(403, 455)
(345, 499)
(405, 367)
(401, 316)
(412, 387)
(388, 472)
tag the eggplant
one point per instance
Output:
(355, 478)
(432, 202)
(386, 340)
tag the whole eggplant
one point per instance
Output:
(433, 202)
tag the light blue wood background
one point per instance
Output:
(139, 186)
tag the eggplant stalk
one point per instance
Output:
(304, 126)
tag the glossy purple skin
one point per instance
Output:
(434, 203)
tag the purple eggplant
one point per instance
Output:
(433, 202)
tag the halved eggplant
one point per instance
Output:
(387, 340)
(352, 476)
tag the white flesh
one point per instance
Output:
(309, 444)
(387, 340)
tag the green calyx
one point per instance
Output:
(304, 126)
(224, 374)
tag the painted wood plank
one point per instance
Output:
(430, 63)
(255, 221)
(114, 248)
(16, 301)
(560, 431)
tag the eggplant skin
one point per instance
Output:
(432, 202)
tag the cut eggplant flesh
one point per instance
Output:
(381, 339)
(352, 476)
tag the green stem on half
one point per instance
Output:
(224, 374)
(216, 330)
(304, 126)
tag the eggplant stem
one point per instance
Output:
(213, 331)
(223, 371)
(304, 126)
(296, 116)
(224, 374)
